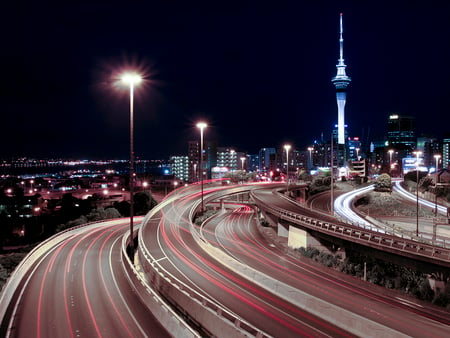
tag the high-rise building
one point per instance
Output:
(341, 81)
(180, 167)
(194, 160)
(227, 157)
(253, 162)
(354, 148)
(446, 152)
(402, 134)
(429, 146)
(266, 157)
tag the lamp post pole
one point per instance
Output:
(437, 157)
(417, 153)
(310, 149)
(332, 176)
(287, 147)
(201, 126)
(390, 151)
(131, 80)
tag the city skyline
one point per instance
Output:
(259, 74)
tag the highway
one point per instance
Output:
(77, 288)
(236, 233)
(174, 248)
(76, 284)
(223, 277)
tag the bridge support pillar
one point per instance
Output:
(282, 230)
(222, 204)
(298, 238)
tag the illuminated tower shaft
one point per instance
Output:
(341, 81)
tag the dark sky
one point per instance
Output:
(257, 71)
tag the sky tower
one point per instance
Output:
(341, 81)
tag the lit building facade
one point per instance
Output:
(429, 146)
(402, 134)
(446, 153)
(194, 160)
(266, 159)
(354, 148)
(227, 157)
(180, 167)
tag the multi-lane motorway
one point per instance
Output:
(77, 288)
(77, 284)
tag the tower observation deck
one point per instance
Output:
(341, 81)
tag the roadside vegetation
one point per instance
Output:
(71, 212)
(385, 274)
(382, 202)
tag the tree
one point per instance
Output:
(143, 202)
(383, 183)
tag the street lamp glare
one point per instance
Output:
(201, 125)
(131, 78)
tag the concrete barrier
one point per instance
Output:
(171, 321)
(336, 315)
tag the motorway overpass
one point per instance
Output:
(219, 278)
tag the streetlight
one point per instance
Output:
(287, 147)
(357, 154)
(201, 126)
(242, 163)
(310, 149)
(437, 157)
(417, 153)
(390, 151)
(131, 79)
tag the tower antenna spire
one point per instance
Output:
(341, 42)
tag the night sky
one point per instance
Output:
(259, 73)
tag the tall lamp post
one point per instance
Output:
(390, 151)
(242, 163)
(310, 149)
(437, 157)
(287, 147)
(131, 79)
(417, 153)
(201, 126)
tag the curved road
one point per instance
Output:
(78, 289)
(236, 233)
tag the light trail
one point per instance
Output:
(342, 207)
(412, 197)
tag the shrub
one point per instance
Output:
(383, 183)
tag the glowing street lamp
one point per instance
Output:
(287, 147)
(242, 162)
(131, 79)
(390, 151)
(357, 154)
(417, 153)
(201, 126)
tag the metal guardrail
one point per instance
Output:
(364, 236)
(194, 306)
